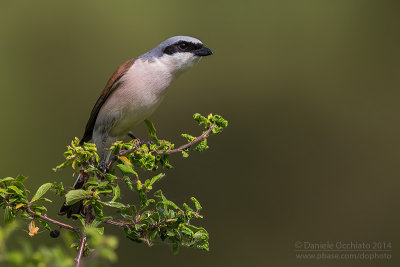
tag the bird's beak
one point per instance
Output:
(202, 52)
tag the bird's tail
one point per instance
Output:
(77, 208)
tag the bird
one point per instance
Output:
(133, 92)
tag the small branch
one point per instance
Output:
(44, 217)
(88, 219)
(80, 252)
(121, 153)
(114, 158)
(198, 139)
(7, 202)
(179, 149)
(119, 224)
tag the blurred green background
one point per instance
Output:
(310, 89)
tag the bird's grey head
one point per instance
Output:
(181, 52)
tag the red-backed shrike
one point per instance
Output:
(134, 92)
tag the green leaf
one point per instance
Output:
(219, 121)
(188, 137)
(93, 181)
(153, 234)
(185, 230)
(138, 226)
(41, 191)
(45, 224)
(81, 219)
(117, 193)
(186, 207)
(201, 146)
(98, 209)
(20, 185)
(200, 119)
(96, 222)
(204, 247)
(217, 129)
(196, 229)
(74, 196)
(44, 199)
(169, 203)
(100, 230)
(8, 216)
(128, 212)
(74, 164)
(38, 209)
(139, 185)
(21, 178)
(128, 182)
(201, 235)
(143, 198)
(175, 248)
(103, 192)
(16, 190)
(110, 177)
(196, 203)
(158, 194)
(149, 202)
(156, 178)
(126, 169)
(113, 204)
(58, 189)
(7, 179)
(3, 192)
(152, 130)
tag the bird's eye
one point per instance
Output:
(183, 46)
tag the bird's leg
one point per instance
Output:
(130, 134)
(103, 161)
(148, 143)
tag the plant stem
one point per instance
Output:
(80, 252)
(120, 224)
(114, 158)
(179, 149)
(198, 139)
(44, 217)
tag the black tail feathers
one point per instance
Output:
(76, 208)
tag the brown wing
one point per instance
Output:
(121, 70)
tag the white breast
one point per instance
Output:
(141, 91)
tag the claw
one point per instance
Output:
(148, 143)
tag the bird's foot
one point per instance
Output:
(140, 142)
(103, 166)
(148, 143)
(103, 163)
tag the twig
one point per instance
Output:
(88, 219)
(80, 252)
(44, 217)
(179, 149)
(119, 224)
(114, 158)
(198, 139)
(121, 153)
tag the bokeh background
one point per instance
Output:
(310, 89)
